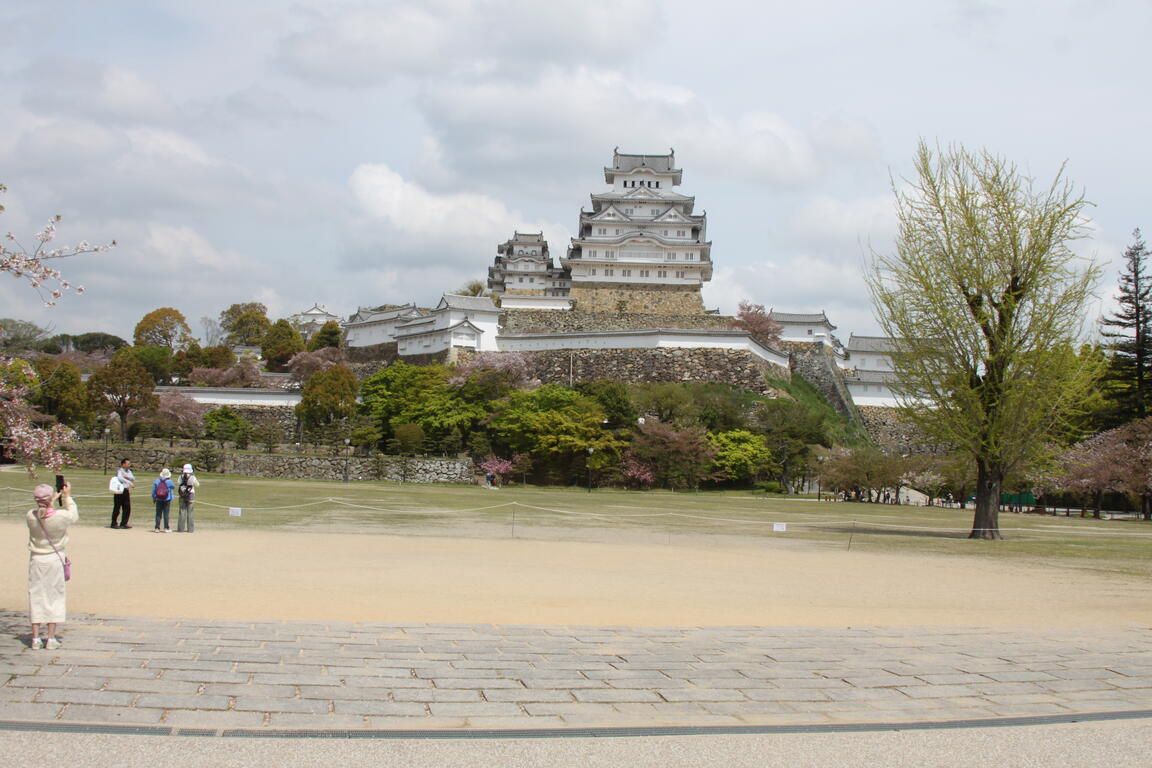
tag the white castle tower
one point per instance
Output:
(640, 248)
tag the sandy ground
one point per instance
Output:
(278, 574)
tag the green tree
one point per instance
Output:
(327, 336)
(985, 303)
(1129, 331)
(741, 456)
(329, 395)
(246, 324)
(678, 458)
(20, 336)
(614, 398)
(409, 439)
(157, 360)
(398, 388)
(61, 392)
(668, 402)
(97, 341)
(224, 424)
(280, 343)
(163, 327)
(122, 386)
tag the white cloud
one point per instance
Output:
(361, 45)
(81, 88)
(856, 223)
(443, 226)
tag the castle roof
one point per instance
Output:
(869, 343)
(626, 163)
(801, 317)
(456, 301)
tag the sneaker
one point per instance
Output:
(155, 530)
(125, 527)
(167, 530)
(52, 644)
(37, 643)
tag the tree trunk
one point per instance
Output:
(1098, 502)
(986, 521)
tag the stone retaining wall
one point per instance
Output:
(889, 431)
(650, 299)
(148, 460)
(518, 321)
(736, 367)
(815, 364)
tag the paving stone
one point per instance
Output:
(151, 685)
(525, 694)
(214, 718)
(613, 695)
(251, 689)
(97, 714)
(172, 701)
(21, 710)
(429, 695)
(262, 704)
(1131, 682)
(70, 683)
(474, 709)
(204, 676)
(102, 698)
(326, 721)
(389, 708)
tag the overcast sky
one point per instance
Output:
(361, 153)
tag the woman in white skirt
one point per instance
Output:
(47, 537)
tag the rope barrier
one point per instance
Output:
(857, 524)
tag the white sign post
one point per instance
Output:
(234, 511)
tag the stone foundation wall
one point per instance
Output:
(815, 364)
(522, 321)
(625, 297)
(889, 431)
(149, 460)
(741, 369)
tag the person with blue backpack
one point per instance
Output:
(162, 492)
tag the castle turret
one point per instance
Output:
(640, 248)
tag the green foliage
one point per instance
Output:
(1128, 330)
(409, 439)
(327, 336)
(224, 425)
(552, 421)
(20, 336)
(279, 345)
(207, 459)
(394, 390)
(157, 360)
(245, 324)
(741, 456)
(985, 302)
(329, 395)
(61, 392)
(670, 403)
(679, 458)
(614, 398)
(163, 327)
(122, 386)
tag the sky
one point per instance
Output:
(362, 153)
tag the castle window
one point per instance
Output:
(626, 272)
(661, 273)
(657, 185)
(644, 273)
(602, 231)
(609, 272)
(679, 274)
(593, 271)
(617, 231)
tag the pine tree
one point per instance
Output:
(1130, 367)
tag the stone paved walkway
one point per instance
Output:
(298, 675)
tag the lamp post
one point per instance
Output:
(106, 430)
(347, 458)
(588, 464)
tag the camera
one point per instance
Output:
(59, 483)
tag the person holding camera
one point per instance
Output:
(48, 525)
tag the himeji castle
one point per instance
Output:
(642, 251)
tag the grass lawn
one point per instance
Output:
(719, 518)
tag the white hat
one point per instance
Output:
(164, 473)
(188, 468)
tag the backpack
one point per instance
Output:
(185, 487)
(162, 491)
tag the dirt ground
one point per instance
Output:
(279, 574)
